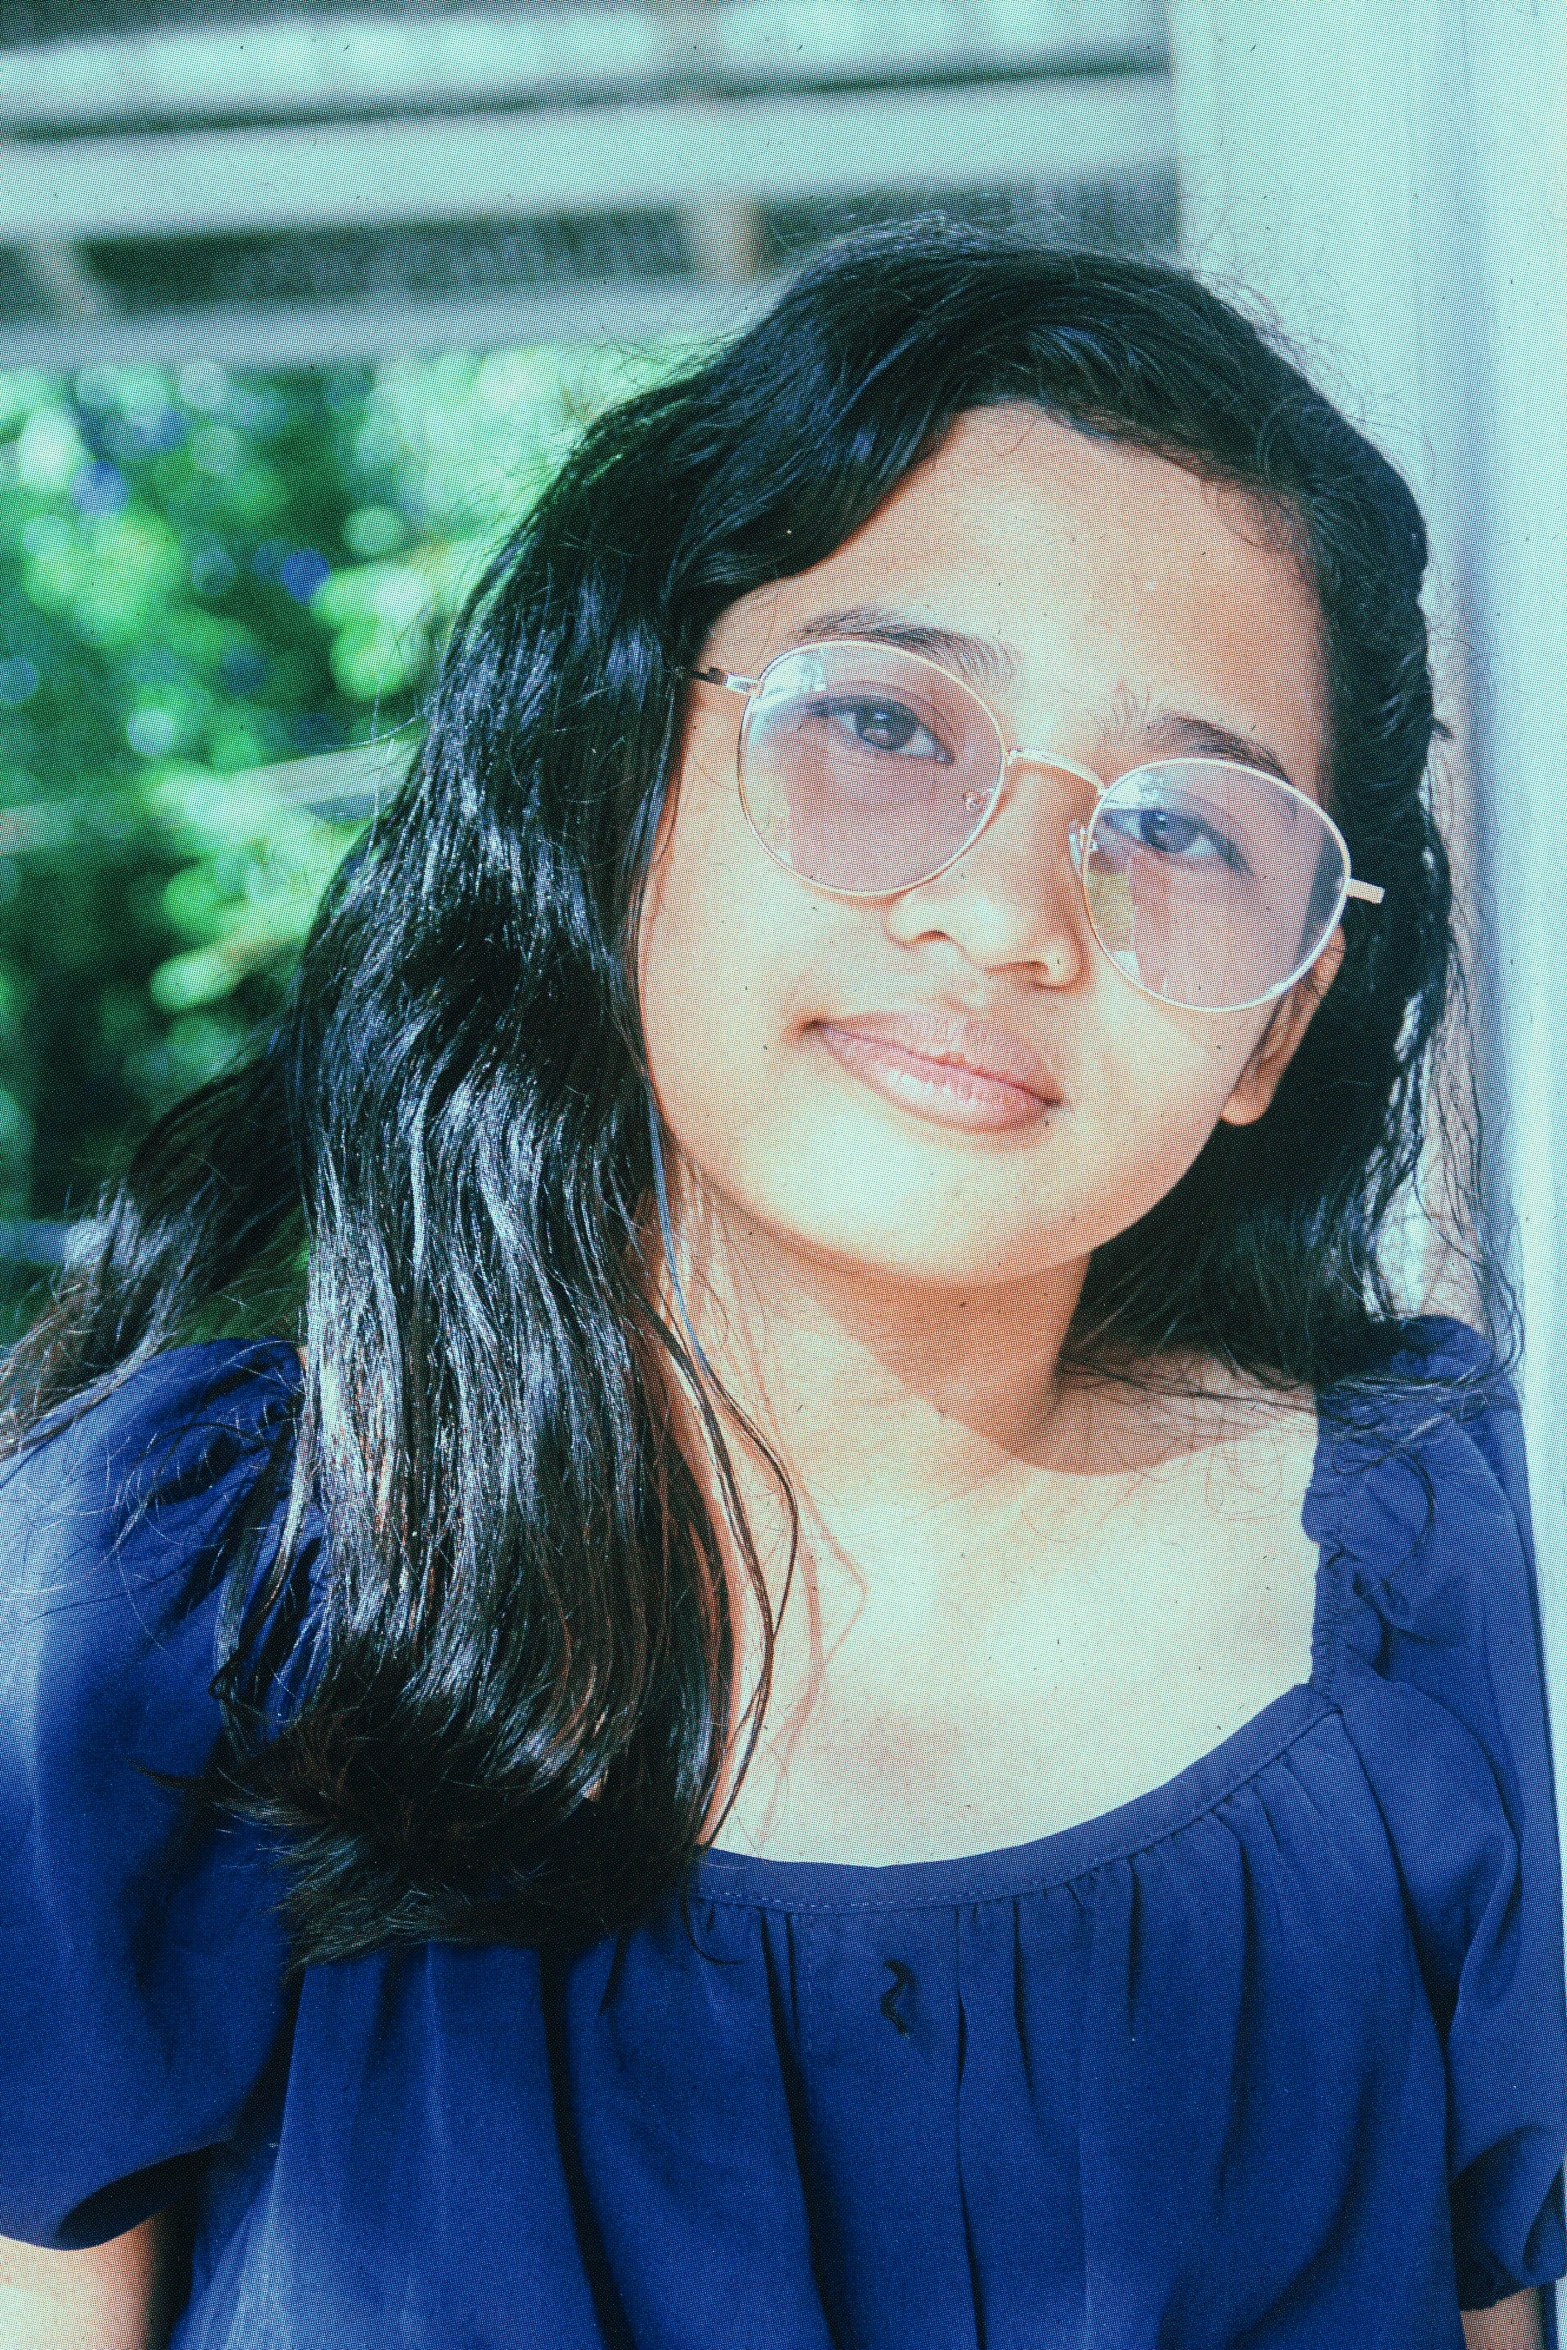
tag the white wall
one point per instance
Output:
(1391, 176)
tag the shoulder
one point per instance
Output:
(120, 1519)
(231, 1386)
(1426, 1450)
(144, 1954)
(1436, 1665)
(179, 1427)
(1420, 1504)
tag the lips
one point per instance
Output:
(948, 1065)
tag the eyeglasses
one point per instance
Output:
(868, 770)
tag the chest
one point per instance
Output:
(1116, 1646)
(797, 2112)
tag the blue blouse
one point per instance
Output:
(1271, 2056)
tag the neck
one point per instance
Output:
(885, 1399)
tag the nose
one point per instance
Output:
(1013, 897)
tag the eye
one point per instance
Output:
(1174, 834)
(881, 724)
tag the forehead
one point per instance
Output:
(1107, 578)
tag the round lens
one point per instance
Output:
(1212, 885)
(866, 769)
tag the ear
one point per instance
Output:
(1275, 1048)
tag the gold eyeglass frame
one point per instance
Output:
(1369, 893)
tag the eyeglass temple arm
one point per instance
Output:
(1372, 891)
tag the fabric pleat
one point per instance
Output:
(1271, 2058)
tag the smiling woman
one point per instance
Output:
(967, 991)
(860, 1686)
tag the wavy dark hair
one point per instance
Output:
(522, 1688)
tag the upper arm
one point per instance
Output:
(1513, 2324)
(1440, 1633)
(141, 1946)
(114, 2296)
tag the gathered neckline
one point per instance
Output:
(1045, 1862)
(1040, 1866)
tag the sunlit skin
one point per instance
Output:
(1121, 585)
(1022, 1598)
(884, 1282)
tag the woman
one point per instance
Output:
(860, 1689)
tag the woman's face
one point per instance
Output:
(954, 1085)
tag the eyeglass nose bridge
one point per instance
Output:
(1078, 832)
(1053, 764)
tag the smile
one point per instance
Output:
(957, 1071)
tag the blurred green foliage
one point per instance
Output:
(203, 577)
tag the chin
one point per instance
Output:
(928, 1250)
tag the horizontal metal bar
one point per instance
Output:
(34, 1241)
(347, 785)
(357, 63)
(582, 160)
(315, 334)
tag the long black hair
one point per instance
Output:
(522, 1691)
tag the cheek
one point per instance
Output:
(736, 958)
(1163, 1089)
(718, 954)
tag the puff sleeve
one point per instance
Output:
(141, 1953)
(1440, 1678)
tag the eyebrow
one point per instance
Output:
(1179, 730)
(982, 661)
(990, 662)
